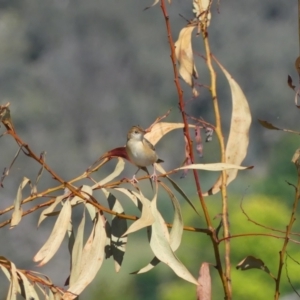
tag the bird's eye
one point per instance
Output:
(136, 132)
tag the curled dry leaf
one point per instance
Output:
(290, 83)
(297, 95)
(187, 160)
(198, 140)
(56, 237)
(204, 280)
(185, 57)
(251, 262)
(17, 213)
(238, 140)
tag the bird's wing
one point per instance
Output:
(149, 144)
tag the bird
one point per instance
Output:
(140, 151)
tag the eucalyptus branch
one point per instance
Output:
(282, 253)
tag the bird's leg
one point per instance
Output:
(154, 176)
(133, 179)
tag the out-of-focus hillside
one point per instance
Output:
(78, 74)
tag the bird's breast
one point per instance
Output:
(139, 154)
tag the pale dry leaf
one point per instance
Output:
(77, 251)
(177, 188)
(71, 236)
(201, 9)
(49, 209)
(133, 197)
(43, 291)
(154, 262)
(86, 191)
(162, 128)
(14, 288)
(92, 258)
(118, 228)
(154, 3)
(160, 245)
(177, 228)
(175, 233)
(117, 171)
(56, 237)
(92, 210)
(28, 288)
(214, 167)
(204, 279)
(5, 271)
(185, 57)
(146, 218)
(238, 140)
(17, 213)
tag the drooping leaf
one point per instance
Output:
(77, 252)
(27, 287)
(268, 125)
(118, 228)
(178, 189)
(46, 212)
(56, 236)
(185, 56)
(17, 213)
(146, 218)
(238, 140)
(160, 245)
(204, 279)
(14, 288)
(92, 258)
(176, 230)
(117, 171)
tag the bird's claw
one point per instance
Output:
(154, 177)
(133, 179)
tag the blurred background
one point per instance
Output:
(79, 74)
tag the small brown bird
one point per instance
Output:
(140, 151)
